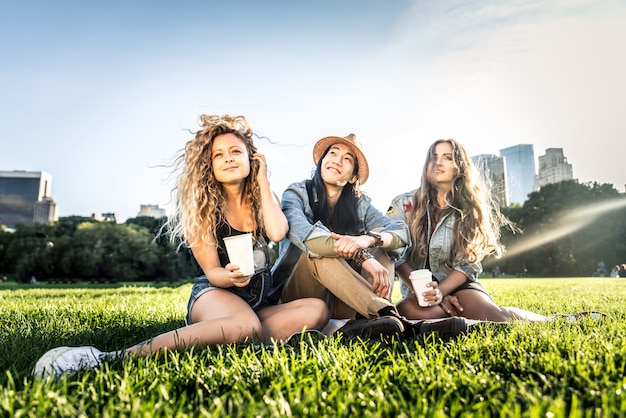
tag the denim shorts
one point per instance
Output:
(255, 293)
(200, 286)
(474, 285)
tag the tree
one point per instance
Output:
(568, 229)
(174, 262)
(29, 252)
(6, 264)
(78, 248)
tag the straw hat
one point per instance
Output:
(350, 141)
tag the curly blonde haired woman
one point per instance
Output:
(454, 224)
(222, 190)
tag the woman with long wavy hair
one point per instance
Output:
(341, 249)
(454, 225)
(222, 190)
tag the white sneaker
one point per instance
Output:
(573, 317)
(67, 360)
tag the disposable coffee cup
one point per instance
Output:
(419, 280)
(240, 252)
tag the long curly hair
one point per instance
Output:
(477, 229)
(197, 195)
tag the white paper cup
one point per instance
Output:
(240, 252)
(419, 279)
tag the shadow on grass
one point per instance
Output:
(21, 350)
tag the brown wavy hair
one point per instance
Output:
(477, 229)
(197, 196)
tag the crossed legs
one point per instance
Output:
(344, 290)
(476, 305)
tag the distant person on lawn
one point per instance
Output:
(341, 249)
(222, 190)
(454, 224)
(615, 271)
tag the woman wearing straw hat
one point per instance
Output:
(341, 249)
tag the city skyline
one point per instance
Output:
(103, 95)
(499, 185)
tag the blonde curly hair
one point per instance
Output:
(198, 197)
(477, 231)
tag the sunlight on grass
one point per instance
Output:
(551, 369)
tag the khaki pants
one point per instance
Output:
(345, 291)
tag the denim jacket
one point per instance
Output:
(299, 213)
(441, 260)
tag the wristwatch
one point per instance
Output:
(377, 237)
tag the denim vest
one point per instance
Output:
(440, 258)
(297, 208)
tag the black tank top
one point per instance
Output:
(255, 292)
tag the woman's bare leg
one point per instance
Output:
(218, 317)
(409, 308)
(281, 321)
(477, 305)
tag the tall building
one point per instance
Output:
(493, 169)
(520, 171)
(553, 168)
(151, 210)
(21, 192)
(45, 211)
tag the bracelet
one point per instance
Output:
(377, 237)
(361, 256)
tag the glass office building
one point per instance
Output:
(520, 171)
(25, 198)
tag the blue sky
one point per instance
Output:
(102, 95)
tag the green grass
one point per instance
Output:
(553, 369)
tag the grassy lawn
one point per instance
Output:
(552, 369)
